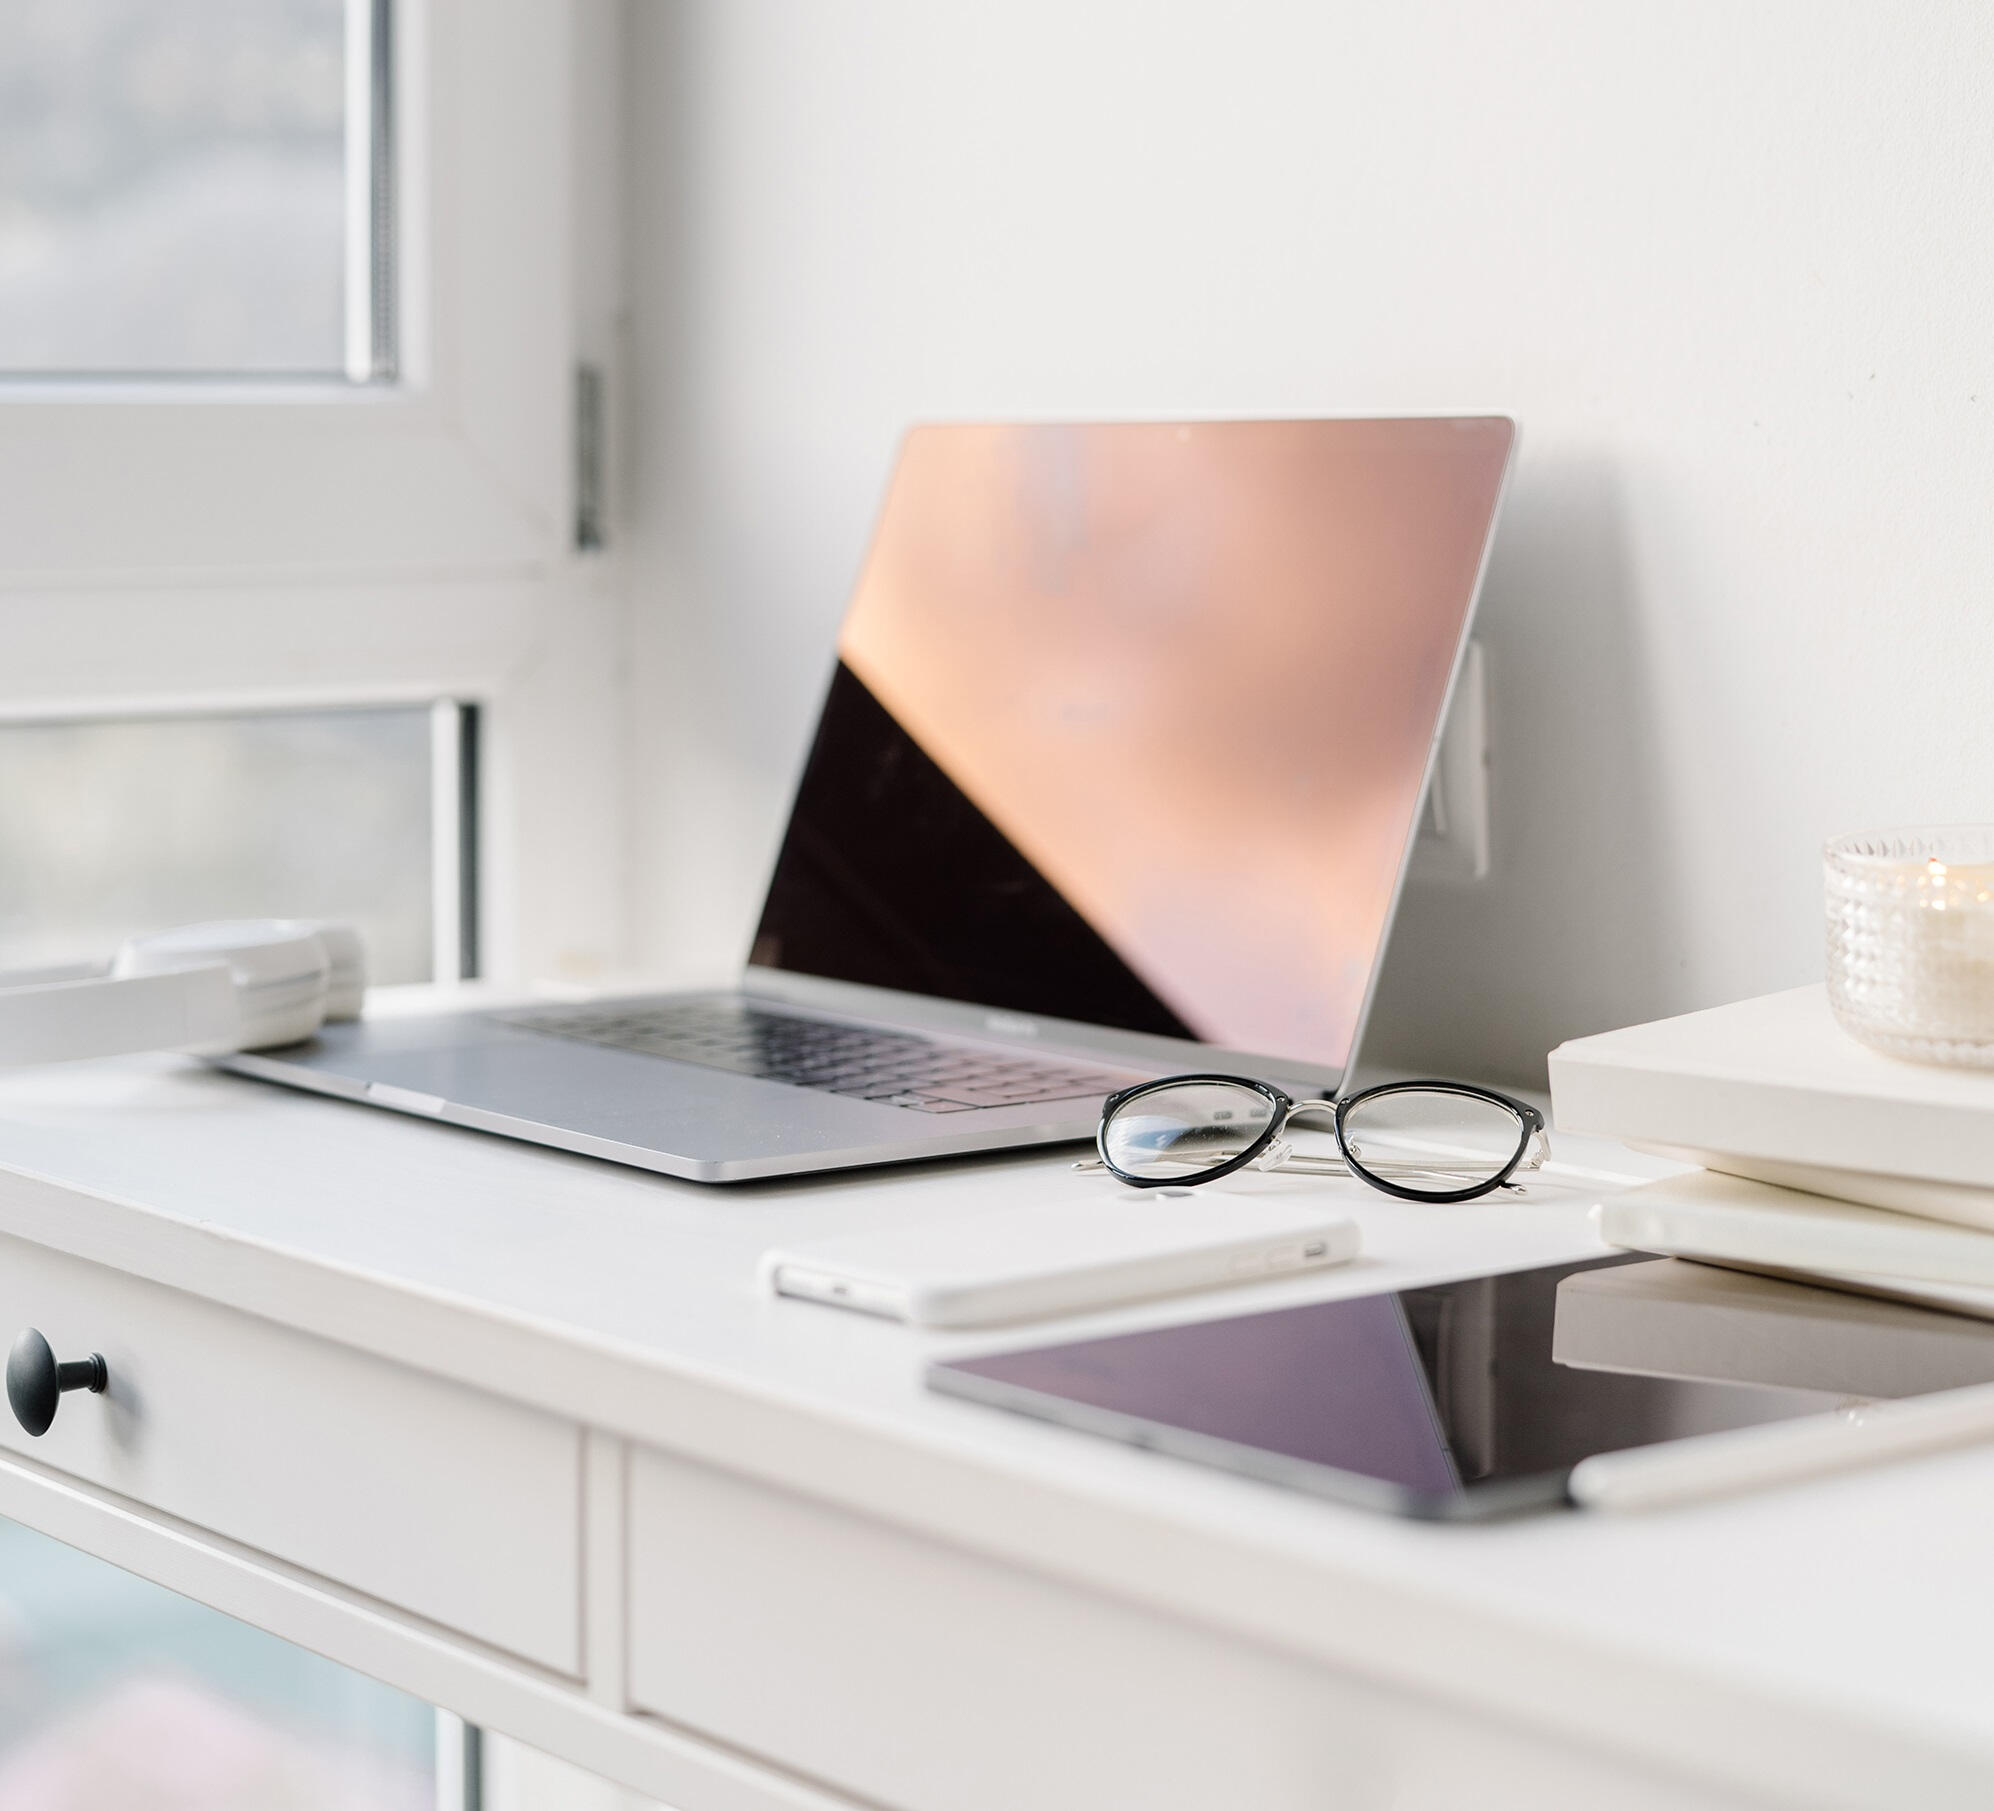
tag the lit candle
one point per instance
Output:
(1911, 942)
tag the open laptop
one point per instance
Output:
(1117, 775)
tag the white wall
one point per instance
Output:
(1731, 265)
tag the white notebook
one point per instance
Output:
(1727, 1220)
(1774, 1089)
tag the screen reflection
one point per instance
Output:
(1131, 722)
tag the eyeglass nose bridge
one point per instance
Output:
(1278, 1151)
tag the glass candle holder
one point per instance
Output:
(1911, 941)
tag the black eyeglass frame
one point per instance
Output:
(1530, 1124)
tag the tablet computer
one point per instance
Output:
(1479, 1397)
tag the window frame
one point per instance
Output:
(250, 544)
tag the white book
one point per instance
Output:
(1775, 1090)
(1720, 1219)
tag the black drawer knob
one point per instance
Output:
(35, 1382)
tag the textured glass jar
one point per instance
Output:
(1911, 941)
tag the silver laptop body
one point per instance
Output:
(1117, 776)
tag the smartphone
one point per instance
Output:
(1063, 1256)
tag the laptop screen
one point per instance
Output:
(1130, 721)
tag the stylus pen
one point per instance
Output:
(1745, 1458)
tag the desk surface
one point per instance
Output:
(1820, 1633)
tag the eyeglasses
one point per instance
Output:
(1420, 1141)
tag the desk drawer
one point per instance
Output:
(913, 1674)
(910, 1673)
(432, 1497)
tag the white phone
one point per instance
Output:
(1061, 1256)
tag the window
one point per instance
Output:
(290, 308)
(118, 1695)
(196, 189)
(281, 536)
(113, 827)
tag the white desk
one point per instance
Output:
(514, 1431)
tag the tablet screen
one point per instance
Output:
(1464, 1398)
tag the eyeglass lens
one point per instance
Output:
(1429, 1140)
(1175, 1133)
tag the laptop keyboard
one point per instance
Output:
(894, 1068)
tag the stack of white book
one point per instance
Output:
(1821, 1158)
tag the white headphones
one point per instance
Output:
(242, 984)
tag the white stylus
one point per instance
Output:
(1745, 1458)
